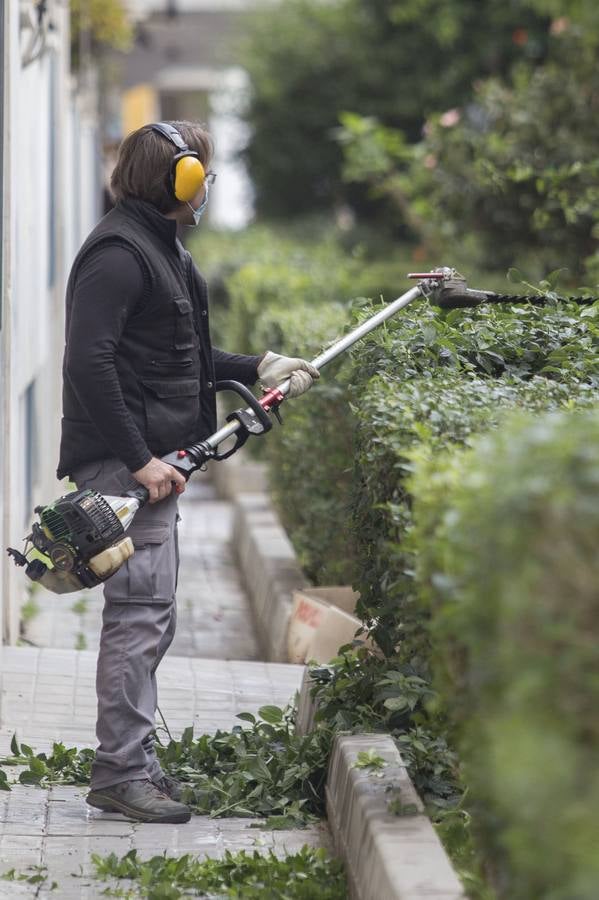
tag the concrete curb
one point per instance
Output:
(387, 857)
(239, 475)
(269, 568)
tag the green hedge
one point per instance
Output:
(427, 376)
(507, 535)
(434, 379)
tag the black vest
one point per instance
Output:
(164, 358)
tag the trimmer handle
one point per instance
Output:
(255, 422)
(139, 493)
(252, 420)
(191, 458)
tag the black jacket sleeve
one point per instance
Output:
(109, 285)
(235, 366)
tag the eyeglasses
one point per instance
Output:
(210, 178)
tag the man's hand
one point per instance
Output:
(274, 369)
(158, 478)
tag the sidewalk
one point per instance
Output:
(49, 694)
(209, 675)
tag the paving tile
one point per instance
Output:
(72, 816)
(15, 888)
(18, 681)
(20, 851)
(23, 661)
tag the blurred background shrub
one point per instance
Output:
(436, 124)
(507, 534)
(398, 61)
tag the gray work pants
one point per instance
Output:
(138, 626)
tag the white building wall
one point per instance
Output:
(51, 200)
(5, 251)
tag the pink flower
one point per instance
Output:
(558, 26)
(450, 118)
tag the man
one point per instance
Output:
(139, 374)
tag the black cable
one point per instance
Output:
(166, 728)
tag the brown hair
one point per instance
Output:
(143, 167)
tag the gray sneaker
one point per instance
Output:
(140, 800)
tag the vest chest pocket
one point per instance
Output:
(185, 333)
(171, 408)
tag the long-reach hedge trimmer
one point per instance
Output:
(80, 538)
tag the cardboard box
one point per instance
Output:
(322, 620)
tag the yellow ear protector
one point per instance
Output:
(187, 172)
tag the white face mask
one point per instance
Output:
(197, 213)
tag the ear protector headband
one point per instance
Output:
(187, 173)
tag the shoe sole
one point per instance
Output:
(133, 813)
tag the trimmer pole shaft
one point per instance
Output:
(366, 327)
(330, 354)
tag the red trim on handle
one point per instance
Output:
(271, 398)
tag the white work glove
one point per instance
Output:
(274, 369)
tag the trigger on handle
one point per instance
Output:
(241, 437)
(253, 420)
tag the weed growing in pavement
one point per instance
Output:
(303, 875)
(370, 760)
